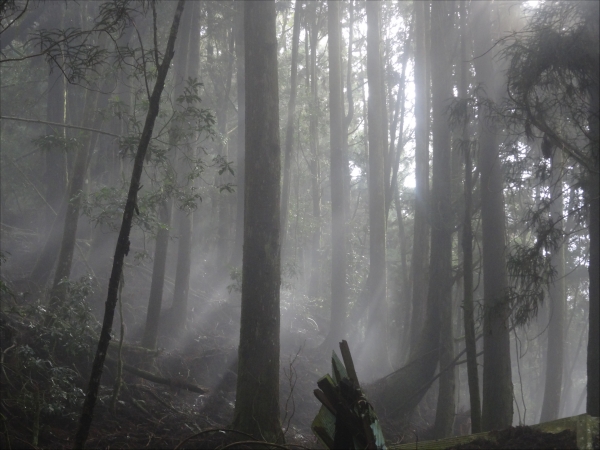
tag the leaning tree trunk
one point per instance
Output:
(123, 243)
(165, 206)
(257, 394)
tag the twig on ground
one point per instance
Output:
(211, 430)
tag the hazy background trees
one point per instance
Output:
(476, 123)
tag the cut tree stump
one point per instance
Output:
(346, 419)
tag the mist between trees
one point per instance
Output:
(256, 181)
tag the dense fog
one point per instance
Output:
(226, 190)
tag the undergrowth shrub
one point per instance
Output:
(45, 348)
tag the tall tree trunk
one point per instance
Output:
(314, 289)
(74, 195)
(396, 150)
(122, 248)
(165, 207)
(223, 245)
(158, 275)
(289, 129)
(236, 258)
(467, 241)
(439, 299)
(557, 302)
(257, 396)
(590, 12)
(186, 218)
(421, 227)
(497, 407)
(376, 335)
(338, 221)
(350, 114)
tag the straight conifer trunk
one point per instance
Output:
(158, 276)
(439, 299)
(497, 407)
(421, 228)
(236, 257)
(338, 220)
(591, 12)
(556, 303)
(376, 333)
(185, 218)
(289, 129)
(467, 241)
(314, 287)
(257, 396)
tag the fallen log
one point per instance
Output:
(177, 384)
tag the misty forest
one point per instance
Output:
(200, 200)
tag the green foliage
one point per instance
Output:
(48, 343)
(530, 268)
(235, 273)
(65, 328)
(5, 290)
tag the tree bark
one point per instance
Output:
(122, 248)
(257, 398)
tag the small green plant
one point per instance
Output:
(40, 368)
(235, 273)
(5, 290)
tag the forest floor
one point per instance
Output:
(46, 356)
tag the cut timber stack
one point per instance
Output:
(346, 419)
